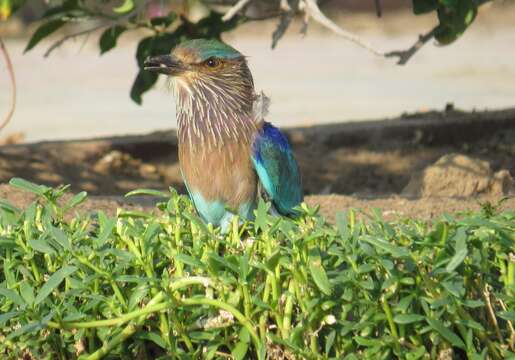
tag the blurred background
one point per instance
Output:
(313, 79)
(433, 135)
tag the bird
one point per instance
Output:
(229, 155)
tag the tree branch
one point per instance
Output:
(234, 9)
(65, 38)
(317, 15)
(405, 55)
(10, 70)
(111, 22)
(379, 10)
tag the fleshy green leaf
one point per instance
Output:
(446, 333)
(28, 186)
(395, 250)
(240, 350)
(77, 199)
(5, 317)
(42, 246)
(147, 192)
(507, 315)
(460, 250)
(408, 318)
(9, 207)
(152, 336)
(261, 212)
(61, 237)
(12, 295)
(53, 282)
(318, 273)
(27, 292)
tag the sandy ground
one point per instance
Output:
(366, 164)
(391, 208)
(313, 80)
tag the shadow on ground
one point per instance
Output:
(369, 161)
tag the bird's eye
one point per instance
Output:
(212, 62)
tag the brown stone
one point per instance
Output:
(457, 175)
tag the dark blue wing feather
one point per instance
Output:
(277, 169)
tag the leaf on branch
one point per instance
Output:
(126, 7)
(143, 82)
(66, 8)
(283, 25)
(109, 38)
(164, 21)
(43, 31)
(424, 6)
(454, 17)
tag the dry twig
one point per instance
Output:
(234, 9)
(405, 55)
(111, 22)
(510, 325)
(379, 10)
(10, 70)
(491, 313)
(65, 38)
(311, 10)
(317, 15)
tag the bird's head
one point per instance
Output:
(206, 69)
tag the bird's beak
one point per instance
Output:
(164, 64)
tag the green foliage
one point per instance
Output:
(119, 17)
(43, 31)
(164, 285)
(8, 7)
(454, 16)
(165, 31)
(109, 38)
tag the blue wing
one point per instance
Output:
(277, 169)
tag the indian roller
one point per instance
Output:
(228, 154)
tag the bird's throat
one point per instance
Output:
(212, 113)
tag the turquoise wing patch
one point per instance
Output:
(277, 169)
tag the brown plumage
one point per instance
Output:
(224, 150)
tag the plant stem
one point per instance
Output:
(109, 322)
(288, 309)
(130, 329)
(237, 314)
(262, 319)
(391, 324)
(127, 332)
(154, 305)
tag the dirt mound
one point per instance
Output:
(457, 175)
